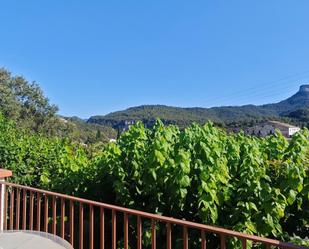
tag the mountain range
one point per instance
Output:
(184, 116)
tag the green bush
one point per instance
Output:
(254, 185)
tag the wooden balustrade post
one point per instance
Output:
(3, 174)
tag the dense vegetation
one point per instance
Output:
(300, 117)
(31, 156)
(255, 185)
(182, 117)
(89, 133)
(25, 104)
(220, 115)
(200, 173)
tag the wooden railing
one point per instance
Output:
(90, 224)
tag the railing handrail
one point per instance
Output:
(207, 228)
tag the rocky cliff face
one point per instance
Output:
(304, 89)
(297, 101)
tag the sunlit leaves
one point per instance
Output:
(232, 180)
(255, 185)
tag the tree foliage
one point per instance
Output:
(25, 104)
(200, 173)
(299, 117)
(254, 185)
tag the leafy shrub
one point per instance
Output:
(254, 185)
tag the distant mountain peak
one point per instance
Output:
(304, 88)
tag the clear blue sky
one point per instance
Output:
(94, 57)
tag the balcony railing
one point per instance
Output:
(90, 224)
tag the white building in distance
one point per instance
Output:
(269, 127)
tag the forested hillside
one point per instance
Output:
(299, 117)
(182, 116)
(220, 115)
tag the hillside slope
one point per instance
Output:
(184, 116)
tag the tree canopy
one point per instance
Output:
(24, 102)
